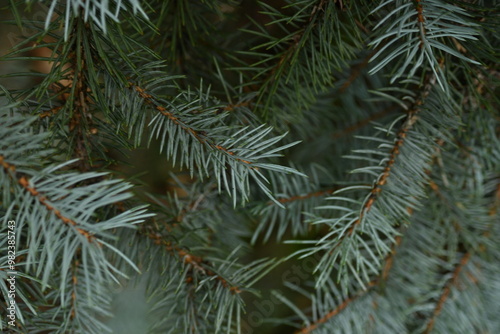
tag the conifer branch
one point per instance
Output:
(400, 138)
(197, 262)
(293, 47)
(42, 199)
(446, 291)
(389, 260)
(376, 189)
(233, 161)
(336, 311)
(199, 136)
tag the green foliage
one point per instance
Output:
(352, 146)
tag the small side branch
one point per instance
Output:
(198, 135)
(446, 292)
(389, 260)
(285, 58)
(411, 119)
(334, 312)
(23, 181)
(196, 262)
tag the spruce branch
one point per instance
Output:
(446, 291)
(299, 56)
(399, 237)
(416, 34)
(345, 303)
(331, 314)
(197, 262)
(206, 142)
(345, 242)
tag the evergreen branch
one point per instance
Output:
(196, 262)
(345, 232)
(207, 295)
(196, 128)
(81, 117)
(446, 291)
(44, 201)
(200, 136)
(418, 32)
(389, 260)
(300, 57)
(294, 46)
(334, 312)
(41, 201)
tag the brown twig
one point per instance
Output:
(74, 280)
(81, 116)
(421, 20)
